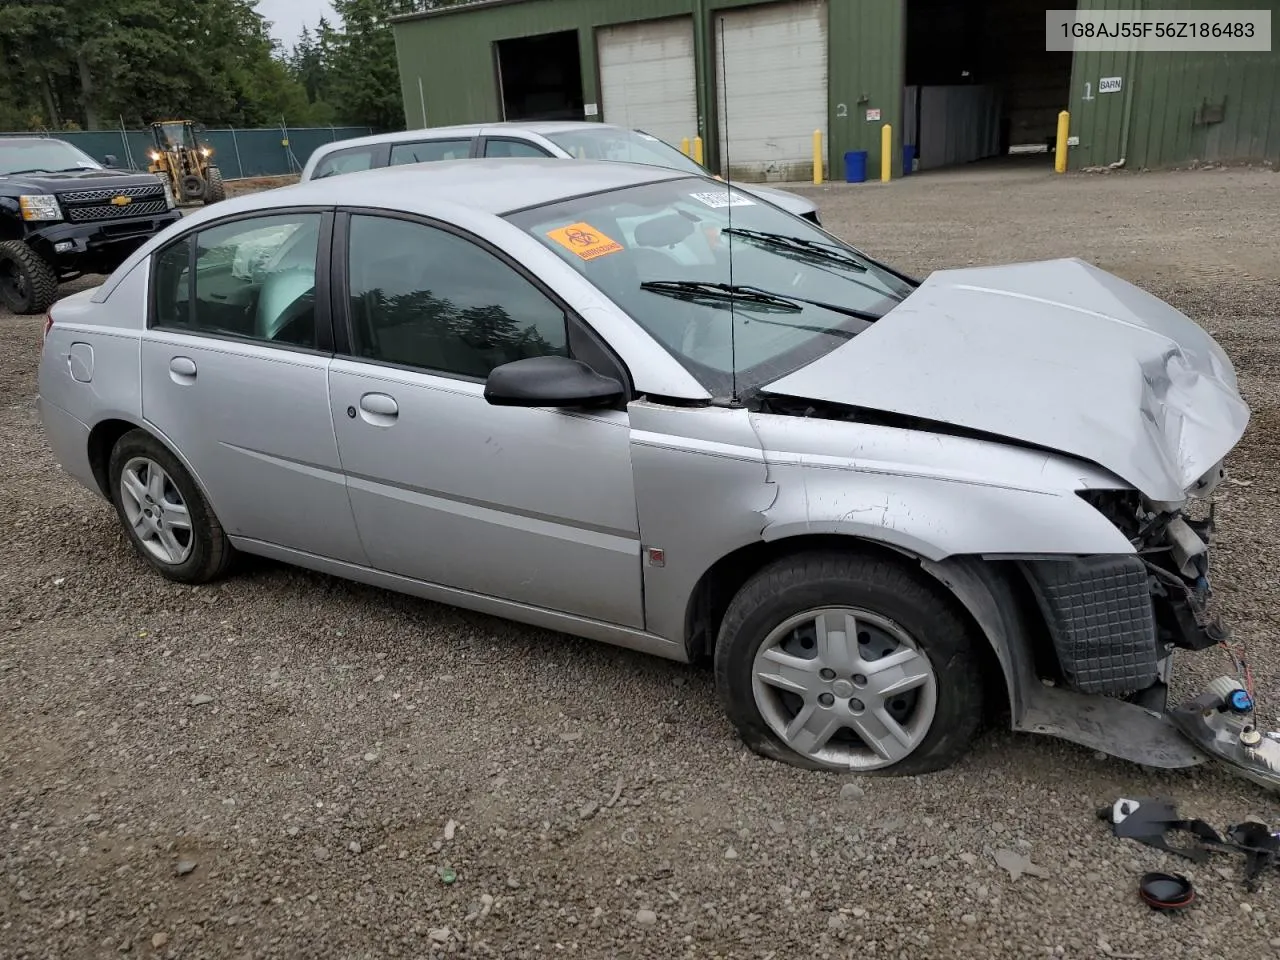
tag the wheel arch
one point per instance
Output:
(105, 434)
(990, 597)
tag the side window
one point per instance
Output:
(344, 161)
(253, 278)
(423, 297)
(171, 283)
(426, 151)
(513, 148)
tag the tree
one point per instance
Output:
(212, 60)
(96, 63)
(351, 69)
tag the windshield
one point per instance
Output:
(171, 136)
(630, 146)
(42, 156)
(675, 233)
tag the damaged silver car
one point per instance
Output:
(642, 407)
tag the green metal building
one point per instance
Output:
(957, 80)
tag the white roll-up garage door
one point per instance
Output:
(772, 79)
(647, 77)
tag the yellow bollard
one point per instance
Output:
(684, 146)
(886, 153)
(697, 150)
(1060, 155)
(817, 156)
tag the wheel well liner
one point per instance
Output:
(102, 440)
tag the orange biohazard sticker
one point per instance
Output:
(585, 241)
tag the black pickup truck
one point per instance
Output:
(63, 214)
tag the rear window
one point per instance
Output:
(345, 161)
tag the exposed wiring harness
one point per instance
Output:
(1236, 650)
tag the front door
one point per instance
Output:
(530, 505)
(234, 375)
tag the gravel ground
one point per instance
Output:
(286, 765)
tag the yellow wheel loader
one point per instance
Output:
(188, 164)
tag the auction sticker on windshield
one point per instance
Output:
(717, 199)
(585, 241)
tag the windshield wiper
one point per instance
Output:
(704, 289)
(745, 293)
(823, 251)
(15, 173)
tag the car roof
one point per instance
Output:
(554, 126)
(467, 130)
(27, 140)
(491, 185)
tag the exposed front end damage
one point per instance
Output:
(1083, 586)
(1110, 625)
(1114, 619)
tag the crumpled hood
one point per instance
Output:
(1057, 353)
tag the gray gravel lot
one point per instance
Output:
(286, 765)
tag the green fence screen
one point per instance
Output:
(240, 153)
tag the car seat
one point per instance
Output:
(285, 298)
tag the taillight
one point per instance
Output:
(48, 325)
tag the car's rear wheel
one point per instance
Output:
(28, 283)
(164, 514)
(847, 662)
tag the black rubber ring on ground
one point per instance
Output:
(1166, 891)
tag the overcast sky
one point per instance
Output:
(288, 17)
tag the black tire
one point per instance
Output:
(193, 187)
(28, 283)
(888, 588)
(211, 552)
(214, 190)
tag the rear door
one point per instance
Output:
(234, 376)
(535, 506)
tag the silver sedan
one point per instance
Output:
(565, 139)
(643, 407)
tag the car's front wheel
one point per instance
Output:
(840, 661)
(164, 514)
(28, 283)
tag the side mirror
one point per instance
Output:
(549, 382)
(110, 160)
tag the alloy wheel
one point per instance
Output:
(156, 511)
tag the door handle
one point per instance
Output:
(379, 404)
(379, 409)
(182, 370)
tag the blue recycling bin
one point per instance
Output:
(908, 158)
(855, 166)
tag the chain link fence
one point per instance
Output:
(260, 152)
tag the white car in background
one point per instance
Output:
(568, 140)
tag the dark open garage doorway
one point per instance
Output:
(979, 82)
(540, 78)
